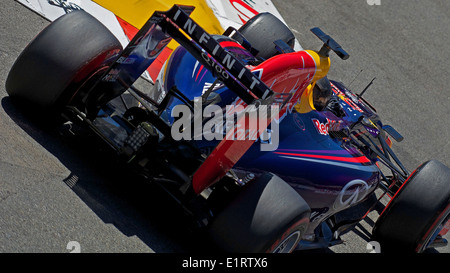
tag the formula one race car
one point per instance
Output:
(247, 135)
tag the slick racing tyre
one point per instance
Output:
(418, 212)
(60, 60)
(267, 216)
(264, 29)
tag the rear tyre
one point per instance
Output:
(417, 212)
(267, 216)
(264, 29)
(50, 71)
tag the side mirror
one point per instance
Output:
(329, 44)
(393, 133)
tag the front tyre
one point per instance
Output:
(418, 211)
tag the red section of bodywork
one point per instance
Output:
(157, 65)
(360, 159)
(230, 44)
(285, 74)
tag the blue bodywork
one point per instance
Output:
(328, 172)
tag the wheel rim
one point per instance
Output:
(288, 244)
(435, 231)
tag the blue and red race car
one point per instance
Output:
(248, 135)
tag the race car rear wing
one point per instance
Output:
(175, 23)
(151, 40)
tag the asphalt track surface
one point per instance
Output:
(56, 188)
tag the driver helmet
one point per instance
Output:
(321, 94)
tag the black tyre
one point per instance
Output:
(60, 60)
(417, 212)
(267, 216)
(264, 29)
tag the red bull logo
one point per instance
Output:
(324, 128)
